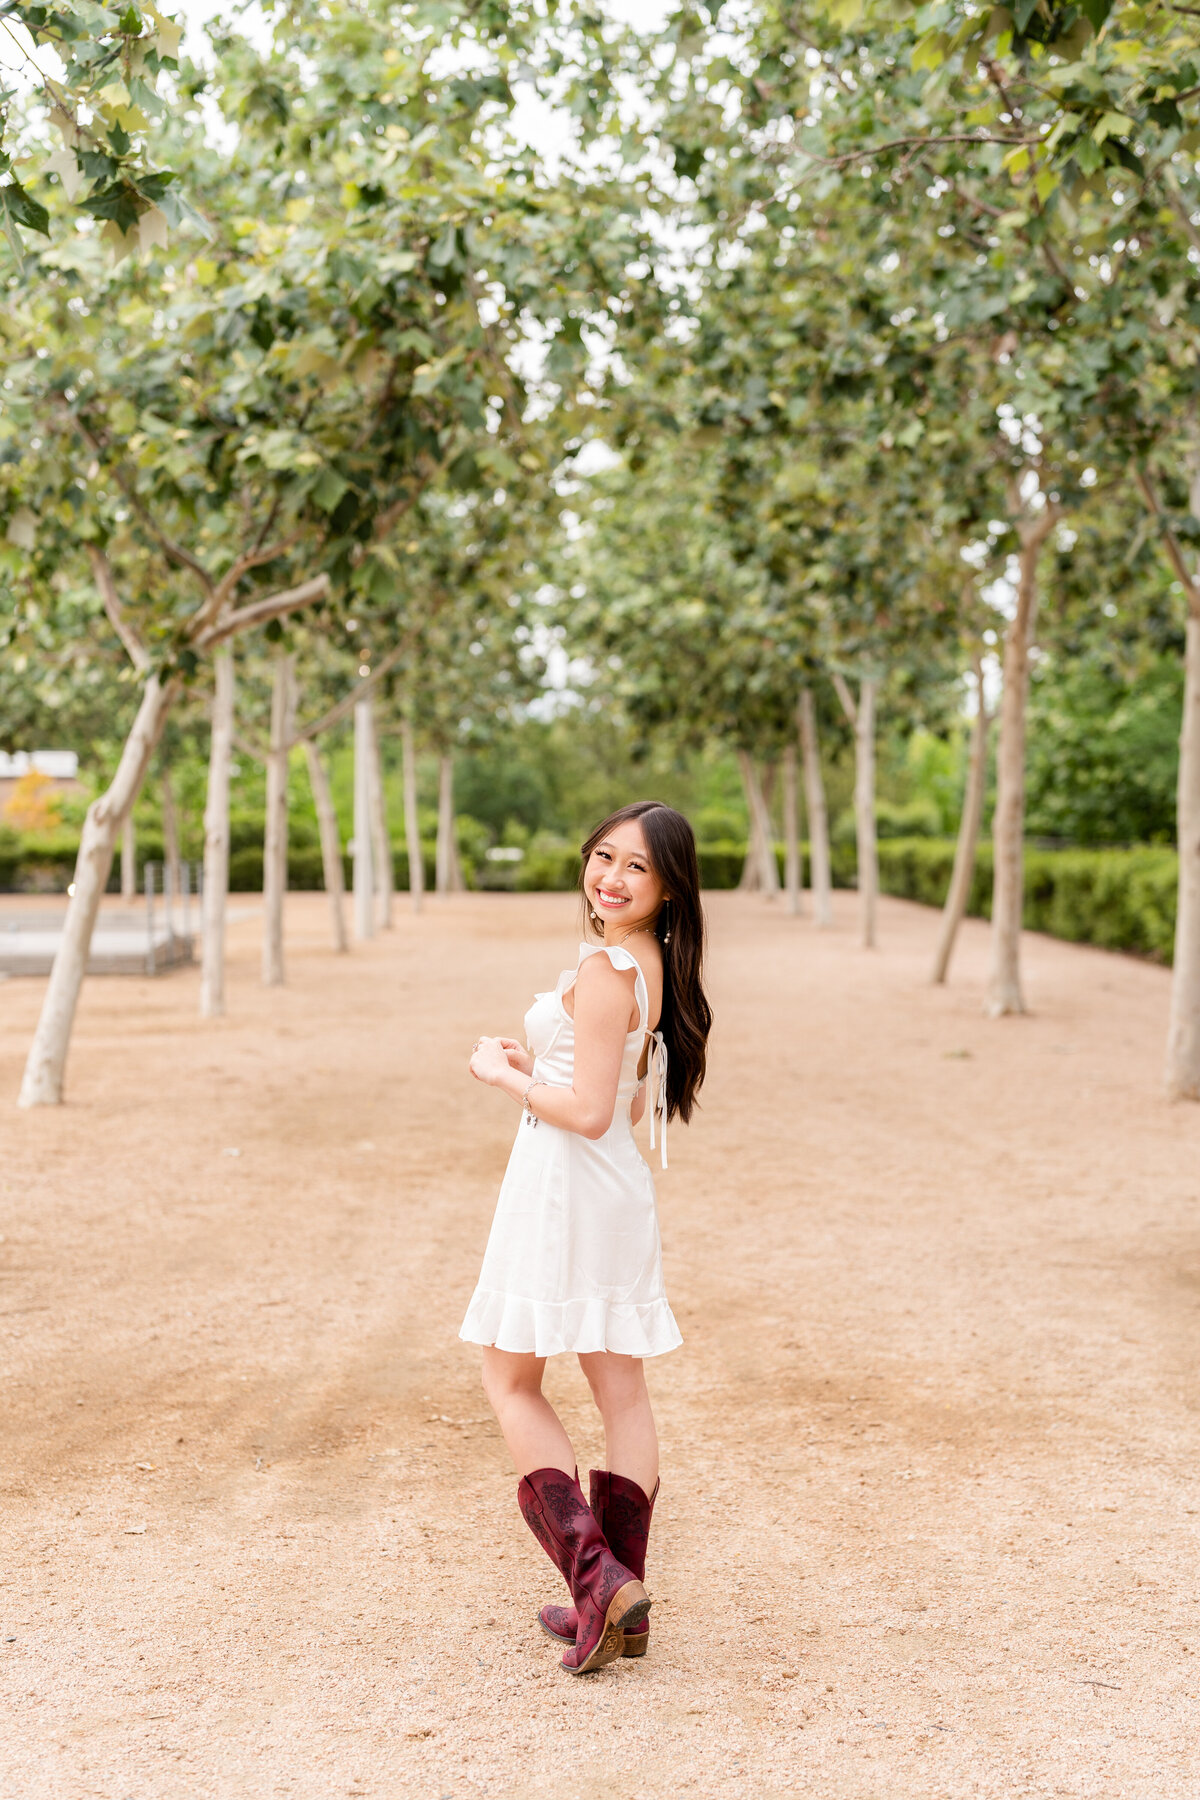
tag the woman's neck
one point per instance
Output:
(615, 936)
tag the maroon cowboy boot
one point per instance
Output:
(608, 1596)
(623, 1514)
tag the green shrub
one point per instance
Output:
(400, 867)
(721, 863)
(715, 825)
(553, 870)
(245, 831)
(915, 818)
(306, 870)
(1116, 899)
(10, 855)
(246, 870)
(472, 839)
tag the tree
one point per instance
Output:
(273, 409)
(103, 108)
(1091, 117)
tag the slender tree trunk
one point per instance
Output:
(818, 812)
(447, 866)
(170, 820)
(751, 874)
(129, 858)
(760, 873)
(1008, 825)
(331, 843)
(381, 843)
(275, 847)
(864, 809)
(364, 877)
(861, 714)
(1183, 1031)
(968, 834)
(216, 840)
(771, 883)
(412, 836)
(793, 877)
(43, 1081)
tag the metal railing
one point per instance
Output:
(160, 875)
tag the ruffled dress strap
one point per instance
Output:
(622, 959)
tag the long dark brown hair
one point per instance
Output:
(686, 1015)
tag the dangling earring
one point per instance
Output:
(667, 932)
(594, 916)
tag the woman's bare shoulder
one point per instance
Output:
(647, 953)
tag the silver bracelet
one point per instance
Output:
(531, 1117)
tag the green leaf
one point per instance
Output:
(429, 374)
(445, 250)
(1113, 124)
(96, 166)
(1097, 12)
(117, 202)
(1068, 122)
(930, 52)
(21, 208)
(328, 489)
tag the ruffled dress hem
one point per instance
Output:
(570, 1327)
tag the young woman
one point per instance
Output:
(574, 1263)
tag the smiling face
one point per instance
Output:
(619, 881)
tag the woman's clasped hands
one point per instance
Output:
(492, 1057)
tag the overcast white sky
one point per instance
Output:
(537, 123)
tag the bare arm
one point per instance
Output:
(603, 998)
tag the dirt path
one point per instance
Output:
(930, 1520)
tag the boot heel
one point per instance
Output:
(628, 1606)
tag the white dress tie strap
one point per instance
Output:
(656, 1075)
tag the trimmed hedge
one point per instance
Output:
(43, 862)
(306, 871)
(1115, 899)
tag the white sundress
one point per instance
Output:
(574, 1258)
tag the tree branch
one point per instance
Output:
(273, 606)
(1174, 548)
(105, 581)
(173, 551)
(1034, 528)
(1180, 205)
(345, 706)
(929, 143)
(249, 747)
(253, 559)
(389, 516)
(842, 687)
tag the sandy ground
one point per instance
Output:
(930, 1515)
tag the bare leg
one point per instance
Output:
(618, 1385)
(531, 1427)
